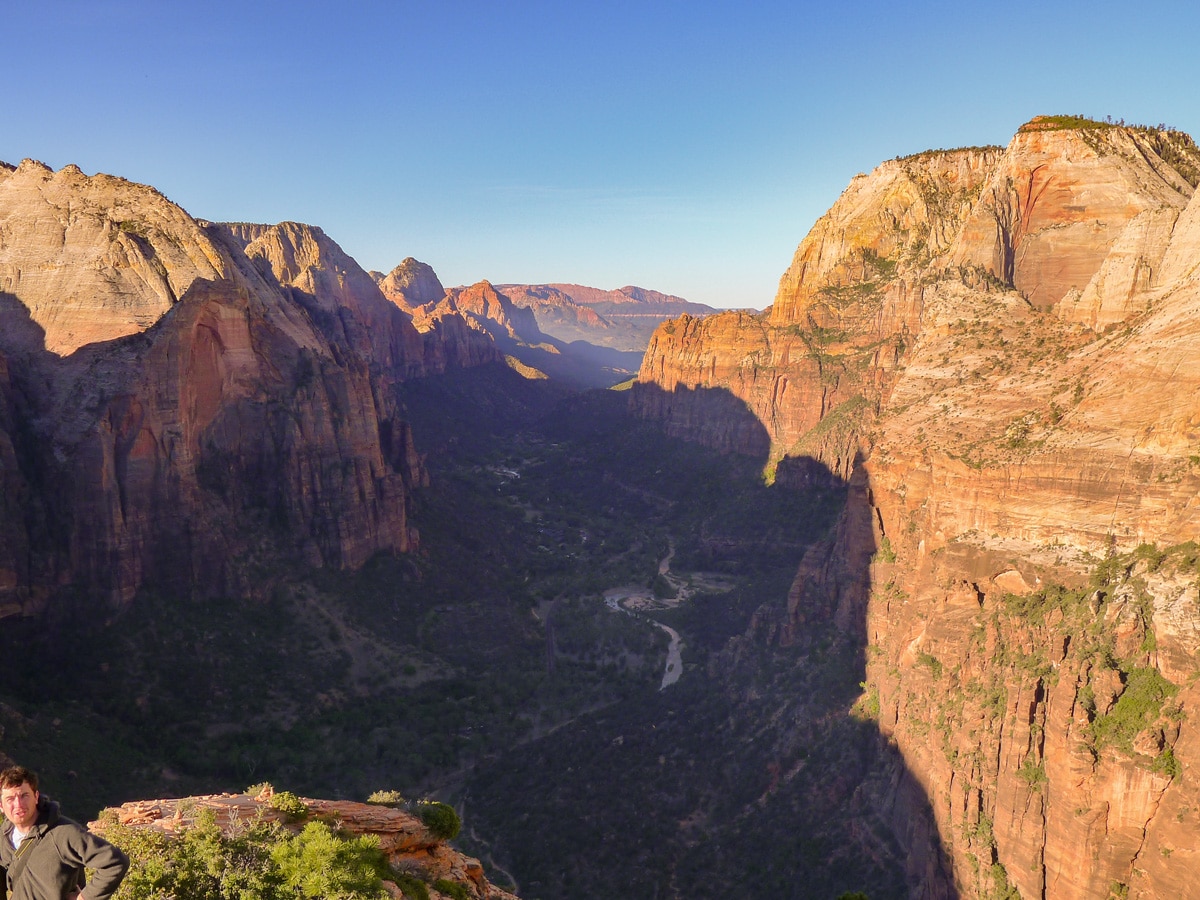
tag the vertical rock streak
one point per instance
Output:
(182, 400)
(979, 330)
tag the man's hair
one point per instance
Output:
(15, 776)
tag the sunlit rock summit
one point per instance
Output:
(178, 397)
(1000, 348)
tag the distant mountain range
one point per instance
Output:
(584, 336)
(623, 319)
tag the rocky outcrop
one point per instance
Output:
(96, 258)
(335, 291)
(183, 403)
(621, 319)
(1078, 218)
(404, 839)
(449, 337)
(1003, 345)
(412, 285)
(490, 310)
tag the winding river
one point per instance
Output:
(632, 599)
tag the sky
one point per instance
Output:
(683, 147)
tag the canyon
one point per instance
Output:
(996, 347)
(933, 521)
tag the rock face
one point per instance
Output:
(450, 337)
(97, 258)
(621, 319)
(412, 284)
(404, 839)
(182, 401)
(1001, 346)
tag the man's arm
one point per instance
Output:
(108, 863)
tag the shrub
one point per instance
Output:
(262, 862)
(265, 861)
(1137, 707)
(290, 805)
(387, 798)
(411, 886)
(317, 863)
(440, 819)
(452, 889)
(1032, 773)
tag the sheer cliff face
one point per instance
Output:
(450, 337)
(1007, 342)
(98, 258)
(181, 401)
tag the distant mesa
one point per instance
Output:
(583, 336)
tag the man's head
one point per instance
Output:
(19, 796)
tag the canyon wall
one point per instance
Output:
(1000, 345)
(185, 405)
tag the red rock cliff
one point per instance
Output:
(1006, 341)
(180, 401)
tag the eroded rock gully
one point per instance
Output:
(999, 347)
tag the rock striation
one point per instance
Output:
(96, 258)
(999, 347)
(404, 839)
(182, 402)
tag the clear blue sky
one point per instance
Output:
(680, 146)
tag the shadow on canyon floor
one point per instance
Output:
(762, 771)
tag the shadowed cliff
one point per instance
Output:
(767, 772)
(1000, 344)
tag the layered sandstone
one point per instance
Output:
(181, 402)
(406, 842)
(96, 258)
(450, 337)
(1003, 344)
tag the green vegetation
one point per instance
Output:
(441, 819)
(1032, 773)
(264, 861)
(930, 662)
(1140, 704)
(452, 889)
(387, 798)
(1051, 123)
(290, 805)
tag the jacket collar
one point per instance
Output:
(47, 818)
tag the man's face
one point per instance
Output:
(19, 805)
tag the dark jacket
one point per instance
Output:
(50, 862)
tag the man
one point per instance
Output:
(45, 853)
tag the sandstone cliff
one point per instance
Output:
(1000, 346)
(411, 285)
(182, 403)
(450, 337)
(96, 258)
